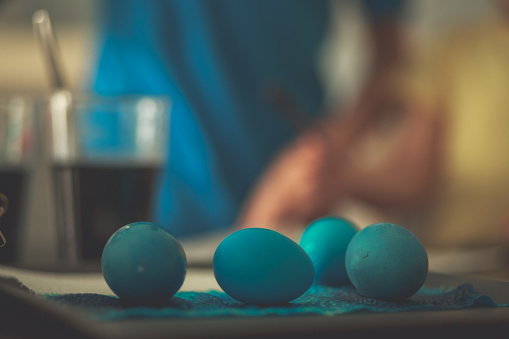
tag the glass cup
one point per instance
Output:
(16, 146)
(106, 154)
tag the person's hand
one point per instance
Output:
(302, 184)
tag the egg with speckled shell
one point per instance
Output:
(262, 267)
(386, 261)
(143, 263)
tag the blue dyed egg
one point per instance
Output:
(325, 241)
(386, 261)
(262, 267)
(143, 263)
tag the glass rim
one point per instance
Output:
(81, 96)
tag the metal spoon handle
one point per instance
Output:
(44, 34)
(63, 136)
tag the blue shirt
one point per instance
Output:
(216, 59)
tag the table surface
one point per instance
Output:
(48, 319)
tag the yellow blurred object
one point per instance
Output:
(467, 80)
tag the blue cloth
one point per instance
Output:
(216, 60)
(317, 300)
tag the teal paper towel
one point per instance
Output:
(317, 300)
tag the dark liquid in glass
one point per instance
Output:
(106, 197)
(12, 185)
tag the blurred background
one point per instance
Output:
(22, 68)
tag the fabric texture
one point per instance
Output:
(317, 300)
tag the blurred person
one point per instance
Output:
(443, 172)
(217, 60)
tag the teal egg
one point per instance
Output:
(262, 267)
(325, 241)
(143, 263)
(386, 261)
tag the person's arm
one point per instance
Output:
(302, 184)
(389, 51)
(407, 175)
